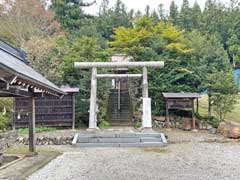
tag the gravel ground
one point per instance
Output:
(182, 161)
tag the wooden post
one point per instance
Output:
(197, 106)
(145, 83)
(93, 100)
(73, 111)
(167, 115)
(193, 116)
(209, 106)
(31, 127)
(13, 114)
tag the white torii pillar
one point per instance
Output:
(93, 101)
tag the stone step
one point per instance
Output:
(154, 144)
(108, 140)
(119, 135)
(150, 139)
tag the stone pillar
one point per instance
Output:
(145, 83)
(93, 101)
(146, 103)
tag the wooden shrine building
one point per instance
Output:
(18, 79)
(50, 110)
(180, 101)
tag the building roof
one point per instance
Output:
(17, 52)
(14, 62)
(181, 95)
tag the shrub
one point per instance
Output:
(3, 121)
(214, 122)
(138, 125)
(104, 125)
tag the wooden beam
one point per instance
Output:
(87, 65)
(116, 76)
(13, 92)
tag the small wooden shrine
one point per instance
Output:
(180, 101)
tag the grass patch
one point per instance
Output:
(138, 125)
(233, 116)
(38, 130)
(21, 150)
(104, 125)
(157, 150)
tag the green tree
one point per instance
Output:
(196, 16)
(84, 49)
(208, 57)
(70, 13)
(161, 12)
(214, 20)
(110, 18)
(223, 92)
(161, 41)
(147, 11)
(234, 49)
(173, 15)
(185, 20)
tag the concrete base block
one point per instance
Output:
(149, 139)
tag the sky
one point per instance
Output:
(141, 4)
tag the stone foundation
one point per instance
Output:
(7, 139)
(47, 140)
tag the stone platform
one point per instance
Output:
(119, 139)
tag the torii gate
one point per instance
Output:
(146, 101)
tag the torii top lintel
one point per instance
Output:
(87, 65)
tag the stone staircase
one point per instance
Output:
(119, 139)
(122, 116)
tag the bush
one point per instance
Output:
(104, 125)
(138, 125)
(213, 121)
(3, 122)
